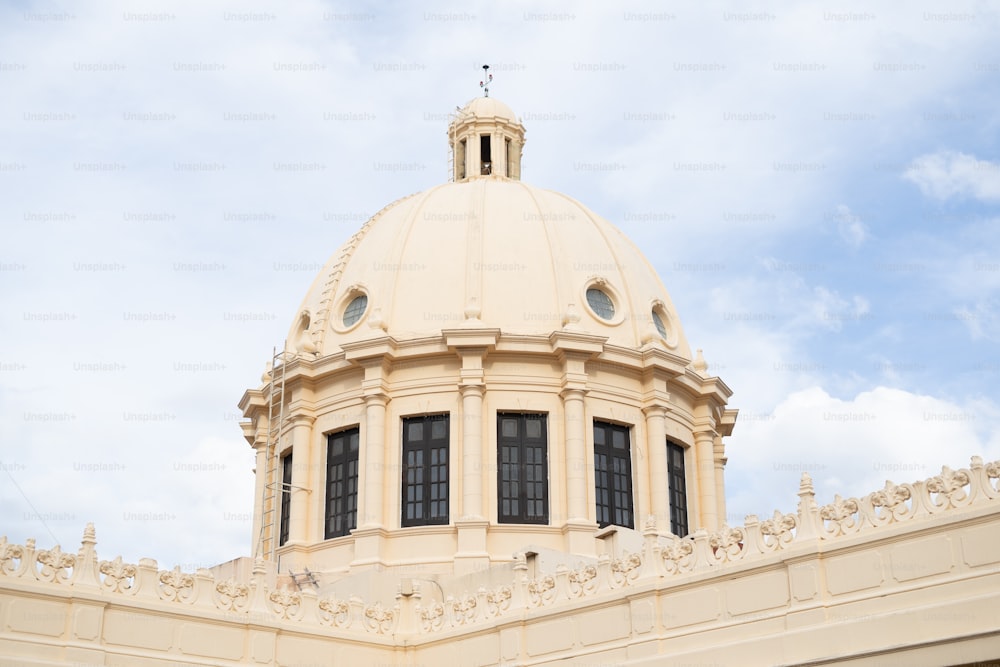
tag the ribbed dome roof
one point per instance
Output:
(488, 107)
(487, 252)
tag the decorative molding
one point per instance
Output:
(955, 492)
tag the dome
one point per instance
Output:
(461, 340)
(487, 252)
(488, 107)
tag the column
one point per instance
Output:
(372, 478)
(298, 519)
(575, 349)
(460, 165)
(656, 445)
(472, 451)
(515, 149)
(704, 442)
(719, 451)
(473, 160)
(471, 554)
(576, 456)
(260, 468)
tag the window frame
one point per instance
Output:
(522, 444)
(430, 488)
(285, 498)
(613, 494)
(485, 154)
(347, 513)
(354, 313)
(677, 489)
(601, 303)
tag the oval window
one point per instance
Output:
(601, 303)
(355, 309)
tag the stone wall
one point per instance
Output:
(906, 575)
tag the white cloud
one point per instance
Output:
(948, 174)
(982, 319)
(852, 230)
(852, 446)
(830, 311)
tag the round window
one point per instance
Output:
(355, 309)
(601, 303)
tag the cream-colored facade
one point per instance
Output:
(488, 442)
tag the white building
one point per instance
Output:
(488, 442)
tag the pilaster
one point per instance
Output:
(299, 510)
(704, 442)
(575, 349)
(656, 445)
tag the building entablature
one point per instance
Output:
(598, 356)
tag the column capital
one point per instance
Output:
(374, 388)
(260, 443)
(573, 392)
(376, 398)
(476, 390)
(301, 419)
(655, 410)
(702, 432)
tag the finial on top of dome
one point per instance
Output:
(487, 80)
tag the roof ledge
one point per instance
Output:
(575, 341)
(383, 346)
(485, 337)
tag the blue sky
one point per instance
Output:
(818, 187)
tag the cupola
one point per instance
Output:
(486, 139)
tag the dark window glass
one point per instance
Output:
(460, 158)
(522, 468)
(677, 489)
(484, 153)
(601, 303)
(341, 482)
(425, 470)
(660, 326)
(612, 475)
(355, 309)
(286, 497)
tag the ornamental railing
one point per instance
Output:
(662, 558)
